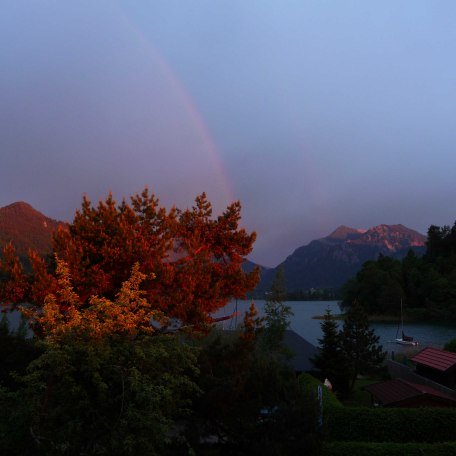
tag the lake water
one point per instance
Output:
(427, 334)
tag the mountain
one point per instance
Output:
(26, 228)
(324, 263)
(249, 266)
(330, 261)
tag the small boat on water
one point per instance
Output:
(404, 340)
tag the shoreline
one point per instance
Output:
(375, 318)
(395, 319)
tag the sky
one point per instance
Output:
(313, 114)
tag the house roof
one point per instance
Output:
(441, 360)
(302, 351)
(398, 390)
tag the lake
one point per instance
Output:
(427, 334)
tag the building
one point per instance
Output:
(302, 351)
(437, 365)
(402, 393)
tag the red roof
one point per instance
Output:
(398, 390)
(441, 360)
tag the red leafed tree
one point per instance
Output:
(13, 284)
(191, 260)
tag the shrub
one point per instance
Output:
(365, 424)
(309, 384)
(107, 396)
(252, 401)
(450, 345)
(388, 449)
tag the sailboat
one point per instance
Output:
(404, 340)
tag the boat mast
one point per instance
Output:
(400, 324)
(402, 319)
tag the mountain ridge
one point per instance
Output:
(326, 262)
(343, 231)
(26, 228)
(330, 261)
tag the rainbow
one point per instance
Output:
(207, 142)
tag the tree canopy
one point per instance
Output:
(330, 359)
(360, 344)
(348, 352)
(277, 313)
(191, 261)
(100, 379)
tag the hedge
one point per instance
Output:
(365, 424)
(388, 449)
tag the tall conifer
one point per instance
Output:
(330, 360)
(277, 313)
(360, 344)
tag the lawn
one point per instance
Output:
(359, 396)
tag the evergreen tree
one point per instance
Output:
(251, 401)
(330, 360)
(252, 323)
(16, 352)
(22, 329)
(277, 314)
(359, 344)
(377, 286)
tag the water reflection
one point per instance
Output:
(428, 334)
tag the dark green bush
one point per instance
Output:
(450, 345)
(111, 396)
(365, 424)
(388, 449)
(251, 401)
(309, 384)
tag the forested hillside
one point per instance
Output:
(426, 283)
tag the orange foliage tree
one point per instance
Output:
(129, 315)
(190, 261)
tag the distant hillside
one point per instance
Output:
(330, 261)
(249, 266)
(27, 228)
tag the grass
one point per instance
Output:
(359, 396)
